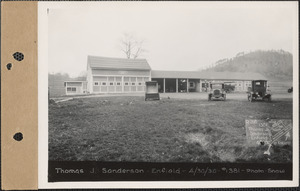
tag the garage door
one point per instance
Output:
(107, 84)
(134, 84)
(113, 84)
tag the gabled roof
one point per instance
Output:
(96, 62)
(207, 75)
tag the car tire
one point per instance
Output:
(250, 98)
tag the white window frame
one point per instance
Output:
(72, 88)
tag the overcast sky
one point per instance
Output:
(178, 35)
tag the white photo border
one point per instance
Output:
(43, 110)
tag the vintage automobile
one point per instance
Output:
(259, 90)
(217, 91)
(229, 87)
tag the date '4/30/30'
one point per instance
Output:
(205, 171)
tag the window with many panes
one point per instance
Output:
(71, 89)
(204, 85)
(191, 84)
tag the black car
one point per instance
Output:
(259, 90)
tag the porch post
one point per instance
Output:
(200, 83)
(122, 82)
(176, 85)
(187, 85)
(164, 85)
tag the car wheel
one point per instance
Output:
(250, 98)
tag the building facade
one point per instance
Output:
(75, 87)
(115, 75)
(119, 75)
(194, 81)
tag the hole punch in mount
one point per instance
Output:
(18, 136)
(9, 66)
(18, 56)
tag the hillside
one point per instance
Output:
(275, 65)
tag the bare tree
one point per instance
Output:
(131, 46)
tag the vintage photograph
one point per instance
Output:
(171, 82)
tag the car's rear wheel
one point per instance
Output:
(250, 98)
(270, 99)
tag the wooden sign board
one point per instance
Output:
(271, 131)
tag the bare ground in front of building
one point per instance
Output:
(184, 128)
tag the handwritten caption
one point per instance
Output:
(269, 131)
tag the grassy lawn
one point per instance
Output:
(170, 130)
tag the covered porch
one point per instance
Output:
(178, 85)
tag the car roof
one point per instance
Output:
(259, 80)
(217, 82)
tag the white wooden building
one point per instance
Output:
(196, 81)
(117, 75)
(75, 87)
(121, 75)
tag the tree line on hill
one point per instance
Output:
(275, 65)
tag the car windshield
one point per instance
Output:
(259, 84)
(216, 86)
